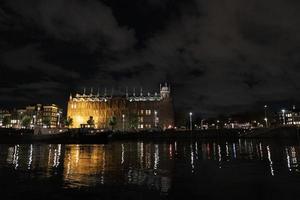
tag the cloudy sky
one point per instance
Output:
(218, 55)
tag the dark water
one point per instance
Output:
(242, 169)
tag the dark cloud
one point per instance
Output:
(219, 56)
(88, 21)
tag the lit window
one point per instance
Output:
(148, 112)
(141, 119)
(148, 125)
(142, 111)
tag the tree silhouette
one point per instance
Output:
(91, 121)
(47, 121)
(26, 121)
(69, 122)
(6, 121)
(133, 120)
(112, 122)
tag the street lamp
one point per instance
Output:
(123, 121)
(202, 124)
(191, 121)
(58, 119)
(266, 119)
(283, 116)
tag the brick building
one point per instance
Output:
(138, 111)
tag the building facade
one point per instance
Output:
(4, 115)
(289, 117)
(40, 115)
(130, 111)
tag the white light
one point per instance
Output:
(191, 113)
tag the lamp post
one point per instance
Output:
(191, 121)
(58, 119)
(34, 120)
(266, 119)
(283, 116)
(202, 124)
(123, 121)
(155, 118)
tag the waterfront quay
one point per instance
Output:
(96, 136)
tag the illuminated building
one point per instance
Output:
(138, 111)
(40, 115)
(290, 117)
(3, 114)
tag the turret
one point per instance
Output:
(165, 91)
(141, 93)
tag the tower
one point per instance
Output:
(165, 91)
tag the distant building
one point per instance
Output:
(40, 115)
(4, 114)
(289, 117)
(130, 111)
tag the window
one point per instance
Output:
(141, 119)
(141, 112)
(140, 126)
(148, 125)
(148, 112)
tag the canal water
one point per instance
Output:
(191, 169)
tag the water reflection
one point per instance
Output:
(148, 165)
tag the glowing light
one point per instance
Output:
(156, 156)
(122, 154)
(219, 155)
(30, 156)
(288, 159)
(270, 160)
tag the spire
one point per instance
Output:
(91, 91)
(83, 91)
(141, 93)
(126, 91)
(104, 92)
(70, 96)
(159, 86)
(98, 92)
(134, 92)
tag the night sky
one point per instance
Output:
(219, 56)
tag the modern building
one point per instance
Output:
(129, 111)
(5, 114)
(289, 117)
(40, 115)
